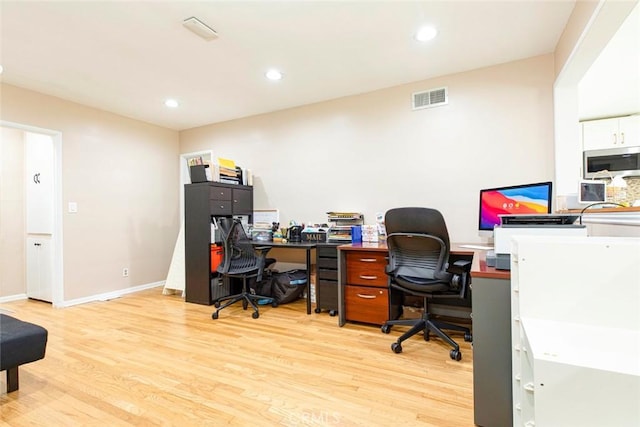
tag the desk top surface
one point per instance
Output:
(478, 268)
(305, 245)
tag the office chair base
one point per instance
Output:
(247, 298)
(454, 354)
(426, 325)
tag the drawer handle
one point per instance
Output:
(367, 260)
(365, 296)
(368, 277)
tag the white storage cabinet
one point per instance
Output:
(616, 132)
(575, 330)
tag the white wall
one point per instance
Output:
(12, 213)
(370, 152)
(591, 27)
(611, 86)
(123, 174)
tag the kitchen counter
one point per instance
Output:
(609, 215)
(608, 210)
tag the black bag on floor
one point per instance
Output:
(264, 287)
(288, 286)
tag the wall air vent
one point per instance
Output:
(430, 98)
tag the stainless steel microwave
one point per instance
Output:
(618, 161)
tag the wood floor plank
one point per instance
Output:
(152, 359)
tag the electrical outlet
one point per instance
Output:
(125, 272)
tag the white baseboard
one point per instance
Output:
(13, 298)
(110, 295)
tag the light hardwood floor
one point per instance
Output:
(149, 359)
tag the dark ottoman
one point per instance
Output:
(20, 343)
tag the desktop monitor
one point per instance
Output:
(515, 199)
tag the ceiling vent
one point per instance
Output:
(430, 98)
(200, 29)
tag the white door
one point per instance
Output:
(39, 206)
(630, 131)
(39, 182)
(39, 268)
(599, 134)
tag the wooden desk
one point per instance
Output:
(491, 324)
(307, 246)
(479, 268)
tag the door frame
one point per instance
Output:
(57, 287)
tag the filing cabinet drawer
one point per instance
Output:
(220, 207)
(366, 268)
(327, 294)
(366, 304)
(219, 193)
(327, 274)
(327, 252)
(331, 263)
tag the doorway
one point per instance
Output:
(40, 228)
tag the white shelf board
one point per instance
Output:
(607, 349)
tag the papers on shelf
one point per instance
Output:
(226, 163)
(268, 216)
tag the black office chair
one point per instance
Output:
(241, 259)
(418, 244)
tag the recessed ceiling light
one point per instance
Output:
(426, 33)
(171, 103)
(273, 74)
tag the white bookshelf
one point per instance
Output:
(575, 304)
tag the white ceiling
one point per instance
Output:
(127, 57)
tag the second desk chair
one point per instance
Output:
(242, 260)
(418, 243)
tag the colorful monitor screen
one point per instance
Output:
(516, 199)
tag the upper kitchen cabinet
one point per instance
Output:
(616, 132)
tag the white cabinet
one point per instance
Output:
(575, 306)
(611, 133)
(39, 268)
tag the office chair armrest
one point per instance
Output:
(261, 251)
(461, 275)
(262, 255)
(459, 267)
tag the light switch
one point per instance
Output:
(73, 207)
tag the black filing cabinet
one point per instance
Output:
(327, 278)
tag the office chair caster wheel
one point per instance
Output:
(274, 304)
(386, 329)
(216, 304)
(317, 310)
(255, 314)
(245, 305)
(468, 337)
(426, 335)
(214, 316)
(455, 355)
(396, 347)
(332, 313)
